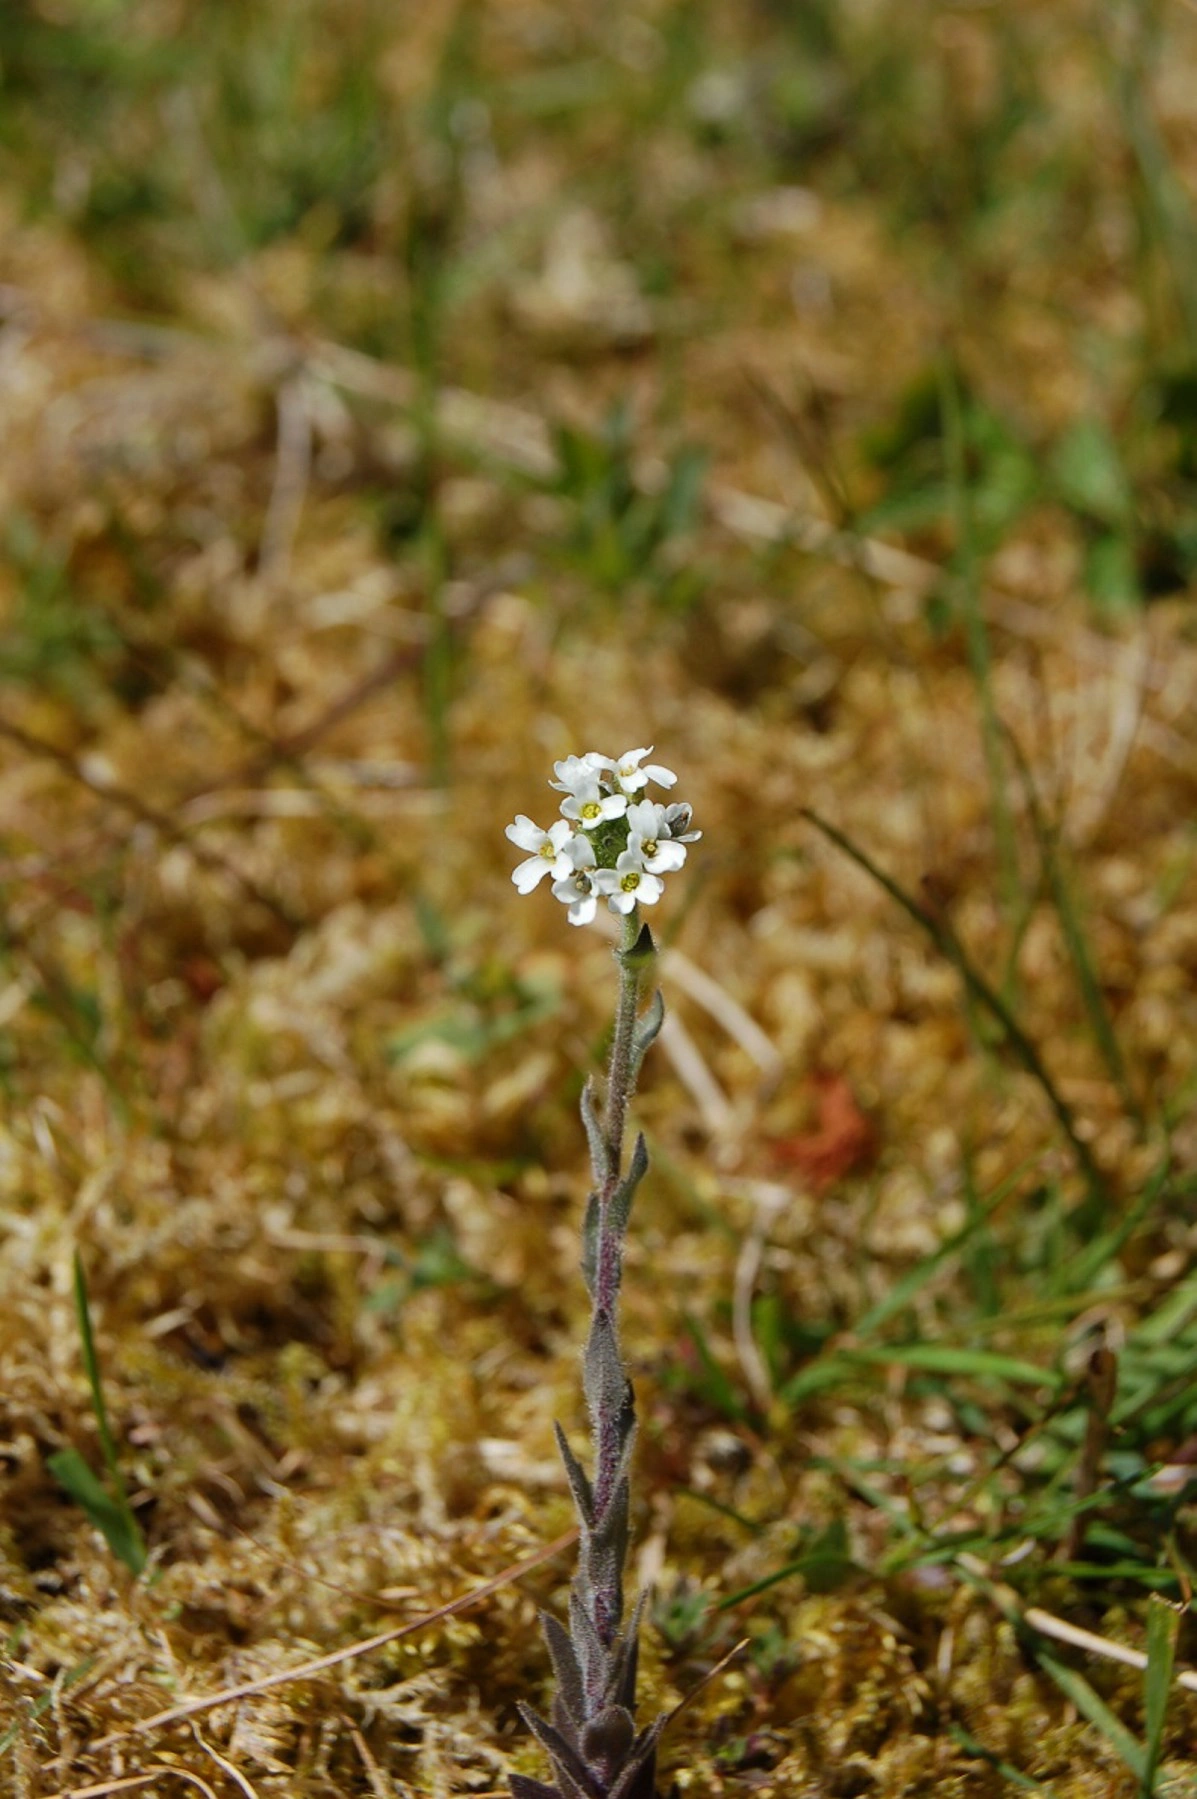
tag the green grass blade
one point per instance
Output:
(978, 988)
(904, 1290)
(929, 1358)
(1014, 1775)
(112, 1518)
(1059, 885)
(1074, 1686)
(937, 1358)
(38, 1707)
(91, 1366)
(1162, 1629)
(977, 638)
(1084, 1268)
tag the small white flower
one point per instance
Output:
(677, 818)
(576, 889)
(575, 771)
(628, 884)
(589, 805)
(631, 777)
(648, 837)
(549, 850)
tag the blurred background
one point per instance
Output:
(394, 399)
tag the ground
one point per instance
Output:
(397, 399)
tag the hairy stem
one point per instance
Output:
(610, 1425)
(621, 1081)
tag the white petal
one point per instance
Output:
(669, 857)
(524, 834)
(622, 902)
(649, 890)
(647, 819)
(579, 851)
(575, 770)
(529, 873)
(664, 777)
(583, 910)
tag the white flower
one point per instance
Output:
(628, 884)
(549, 850)
(631, 777)
(648, 837)
(576, 770)
(609, 843)
(677, 818)
(589, 805)
(576, 889)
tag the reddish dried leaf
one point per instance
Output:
(843, 1140)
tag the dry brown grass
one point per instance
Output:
(333, 1286)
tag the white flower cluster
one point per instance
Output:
(608, 843)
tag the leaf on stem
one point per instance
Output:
(645, 1033)
(524, 1787)
(590, 1243)
(603, 1379)
(607, 1739)
(572, 1773)
(600, 1154)
(641, 952)
(588, 1645)
(607, 1550)
(565, 1666)
(625, 1661)
(621, 1202)
(578, 1481)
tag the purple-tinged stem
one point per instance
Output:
(608, 1436)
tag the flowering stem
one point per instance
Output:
(609, 1428)
(607, 844)
(621, 1078)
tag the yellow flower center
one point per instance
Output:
(592, 809)
(630, 881)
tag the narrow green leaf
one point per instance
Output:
(1162, 1628)
(713, 1383)
(824, 1564)
(114, 1521)
(62, 1684)
(904, 1290)
(91, 1365)
(600, 1154)
(823, 1372)
(1084, 1269)
(646, 1031)
(112, 1516)
(971, 1746)
(937, 1358)
(1089, 473)
(1074, 1686)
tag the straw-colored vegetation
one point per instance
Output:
(397, 397)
